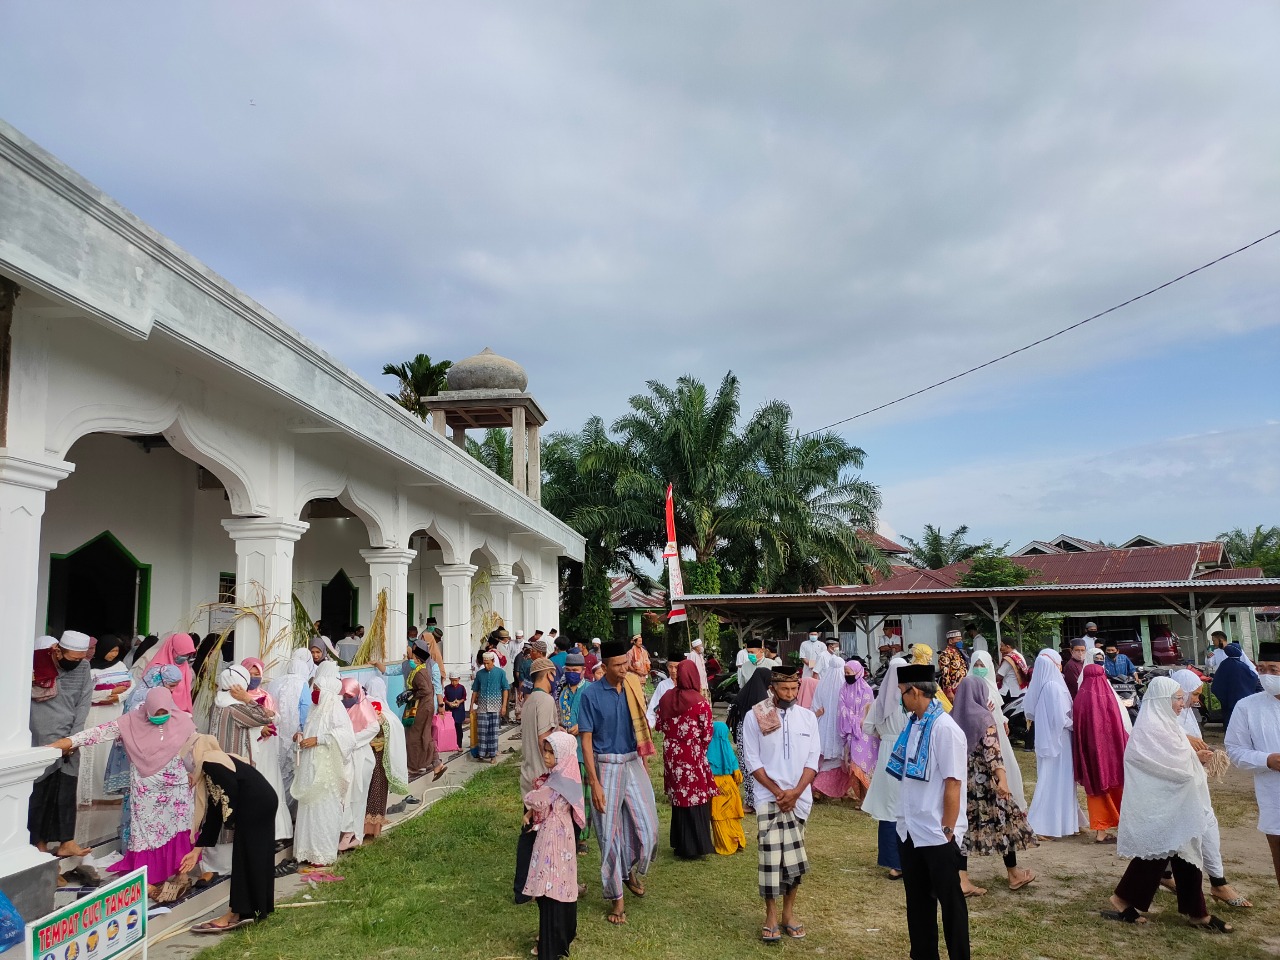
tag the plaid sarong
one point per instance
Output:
(487, 731)
(627, 831)
(783, 860)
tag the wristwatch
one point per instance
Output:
(949, 832)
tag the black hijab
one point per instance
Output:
(105, 645)
(141, 649)
(757, 689)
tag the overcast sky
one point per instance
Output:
(841, 202)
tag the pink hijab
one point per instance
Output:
(177, 645)
(564, 778)
(1098, 736)
(260, 696)
(363, 713)
(854, 699)
(151, 746)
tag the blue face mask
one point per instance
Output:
(179, 661)
(255, 683)
(349, 702)
(162, 719)
(573, 677)
(752, 657)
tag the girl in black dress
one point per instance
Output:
(231, 797)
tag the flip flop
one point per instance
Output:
(770, 935)
(1130, 915)
(1031, 878)
(213, 927)
(437, 775)
(976, 892)
(617, 919)
(795, 931)
(1106, 839)
(633, 885)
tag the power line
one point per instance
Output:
(1046, 339)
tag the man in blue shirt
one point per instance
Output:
(625, 813)
(1117, 664)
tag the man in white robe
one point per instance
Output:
(1253, 743)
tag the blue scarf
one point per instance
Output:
(917, 767)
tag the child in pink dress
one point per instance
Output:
(554, 807)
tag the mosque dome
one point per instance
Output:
(487, 371)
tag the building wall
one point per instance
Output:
(150, 503)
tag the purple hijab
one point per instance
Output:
(854, 699)
(970, 711)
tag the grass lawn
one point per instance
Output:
(441, 885)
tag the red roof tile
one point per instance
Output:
(1134, 565)
(884, 543)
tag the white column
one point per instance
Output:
(455, 616)
(389, 570)
(264, 580)
(519, 451)
(501, 585)
(23, 485)
(535, 464)
(531, 607)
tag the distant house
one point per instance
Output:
(630, 604)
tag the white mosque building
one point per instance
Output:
(165, 441)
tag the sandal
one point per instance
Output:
(1233, 901)
(1106, 839)
(632, 884)
(285, 868)
(794, 930)
(975, 892)
(214, 927)
(1030, 878)
(1128, 915)
(617, 919)
(1214, 925)
(894, 875)
(438, 774)
(770, 935)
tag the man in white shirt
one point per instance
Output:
(810, 650)
(1220, 653)
(977, 642)
(783, 762)
(1253, 743)
(931, 759)
(700, 662)
(666, 683)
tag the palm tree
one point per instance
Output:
(494, 451)
(418, 378)
(935, 551)
(1259, 548)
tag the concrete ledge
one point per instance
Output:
(32, 890)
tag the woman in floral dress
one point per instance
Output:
(154, 735)
(684, 720)
(997, 825)
(554, 806)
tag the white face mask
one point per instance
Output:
(1270, 683)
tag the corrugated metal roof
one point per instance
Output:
(625, 595)
(1233, 573)
(884, 543)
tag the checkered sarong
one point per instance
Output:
(783, 860)
(487, 731)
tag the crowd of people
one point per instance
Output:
(310, 757)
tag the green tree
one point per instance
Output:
(418, 378)
(1258, 548)
(936, 550)
(990, 568)
(494, 451)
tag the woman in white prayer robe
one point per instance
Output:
(1054, 810)
(324, 772)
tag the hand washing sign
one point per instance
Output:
(109, 923)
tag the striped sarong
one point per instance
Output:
(487, 732)
(783, 860)
(627, 831)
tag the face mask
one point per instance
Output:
(158, 721)
(179, 661)
(1111, 656)
(751, 657)
(1270, 683)
(980, 672)
(349, 702)
(573, 677)
(255, 683)
(813, 636)
(65, 664)
(315, 695)
(783, 704)
(850, 679)
(903, 703)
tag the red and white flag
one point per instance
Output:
(672, 554)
